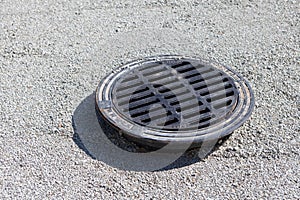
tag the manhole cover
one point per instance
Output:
(158, 100)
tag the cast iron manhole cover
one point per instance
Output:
(163, 99)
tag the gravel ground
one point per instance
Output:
(53, 54)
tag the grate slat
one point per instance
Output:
(150, 67)
(136, 112)
(134, 96)
(130, 85)
(141, 103)
(200, 110)
(152, 70)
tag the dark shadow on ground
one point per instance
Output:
(105, 145)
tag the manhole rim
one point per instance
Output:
(104, 88)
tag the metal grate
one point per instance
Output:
(178, 95)
(164, 99)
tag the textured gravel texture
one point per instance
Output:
(53, 54)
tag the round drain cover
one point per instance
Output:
(174, 99)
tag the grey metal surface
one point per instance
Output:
(176, 110)
(160, 120)
(180, 84)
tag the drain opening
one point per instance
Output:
(177, 99)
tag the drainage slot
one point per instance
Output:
(196, 73)
(221, 96)
(141, 97)
(180, 65)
